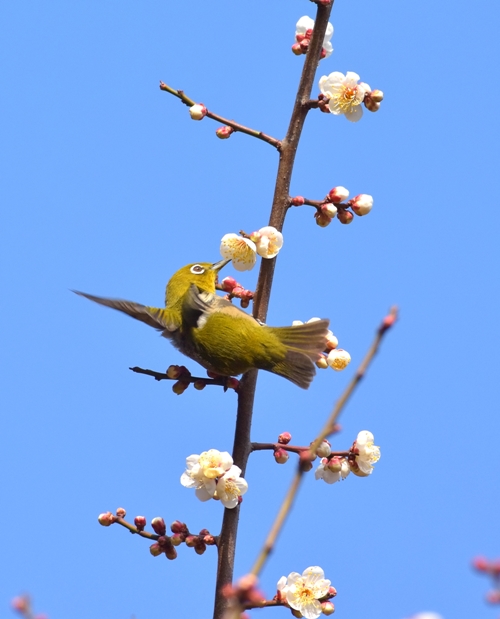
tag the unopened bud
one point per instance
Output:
(106, 519)
(376, 95)
(209, 540)
(338, 194)
(244, 303)
(331, 341)
(180, 386)
(304, 45)
(121, 513)
(334, 464)
(200, 547)
(232, 383)
(199, 384)
(345, 217)
(296, 613)
(329, 209)
(177, 538)
(228, 284)
(327, 608)
(159, 526)
(332, 591)
(324, 449)
(493, 597)
(322, 220)
(140, 523)
(21, 604)
(224, 132)
(191, 541)
(338, 359)
(284, 438)
(174, 371)
(305, 461)
(198, 111)
(155, 550)
(297, 49)
(362, 204)
(170, 552)
(323, 53)
(178, 527)
(322, 363)
(281, 456)
(480, 563)
(297, 201)
(370, 104)
(309, 33)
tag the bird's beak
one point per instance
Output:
(217, 266)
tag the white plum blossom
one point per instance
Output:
(332, 471)
(240, 250)
(306, 23)
(268, 241)
(362, 204)
(230, 487)
(203, 470)
(198, 111)
(303, 592)
(338, 359)
(366, 452)
(344, 93)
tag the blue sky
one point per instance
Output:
(109, 187)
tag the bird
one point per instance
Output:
(222, 337)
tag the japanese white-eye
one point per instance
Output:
(220, 336)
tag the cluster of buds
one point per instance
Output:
(236, 290)
(303, 34)
(307, 594)
(183, 379)
(336, 204)
(492, 569)
(22, 605)
(243, 594)
(243, 249)
(336, 358)
(359, 461)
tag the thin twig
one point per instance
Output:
(225, 121)
(220, 382)
(341, 402)
(291, 448)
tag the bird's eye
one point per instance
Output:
(197, 269)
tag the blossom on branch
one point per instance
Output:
(362, 204)
(198, 111)
(268, 241)
(344, 93)
(303, 33)
(303, 592)
(230, 487)
(240, 250)
(366, 453)
(203, 470)
(338, 359)
(332, 470)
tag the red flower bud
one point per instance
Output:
(297, 201)
(159, 526)
(178, 527)
(121, 513)
(140, 523)
(284, 438)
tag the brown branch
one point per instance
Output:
(221, 382)
(341, 402)
(225, 121)
(281, 203)
(291, 448)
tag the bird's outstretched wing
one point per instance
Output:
(158, 318)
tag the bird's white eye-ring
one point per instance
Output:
(197, 269)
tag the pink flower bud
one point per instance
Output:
(327, 608)
(304, 45)
(198, 111)
(338, 194)
(323, 53)
(106, 519)
(297, 49)
(284, 438)
(328, 209)
(228, 284)
(297, 201)
(232, 383)
(170, 552)
(180, 386)
(121, 513)
(332, 591)
(21, 604)
(362, 204)
(322, 220)
(224, 132)
(159, 526)
(345, 217)
(174, 371)
(481, 564)
(199, 384)
(493, 597)
(309, 33)
(281, 456)
(155, 550)
(140, 523)
(178, 527)
(209, 540)
(334, 464)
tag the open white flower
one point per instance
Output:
(203, 470)
(268, 241)
(331, 474)
(367, 453)
(306, 23)
(303, 592)
(240, 250)
(230, 487)
(344, 93)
